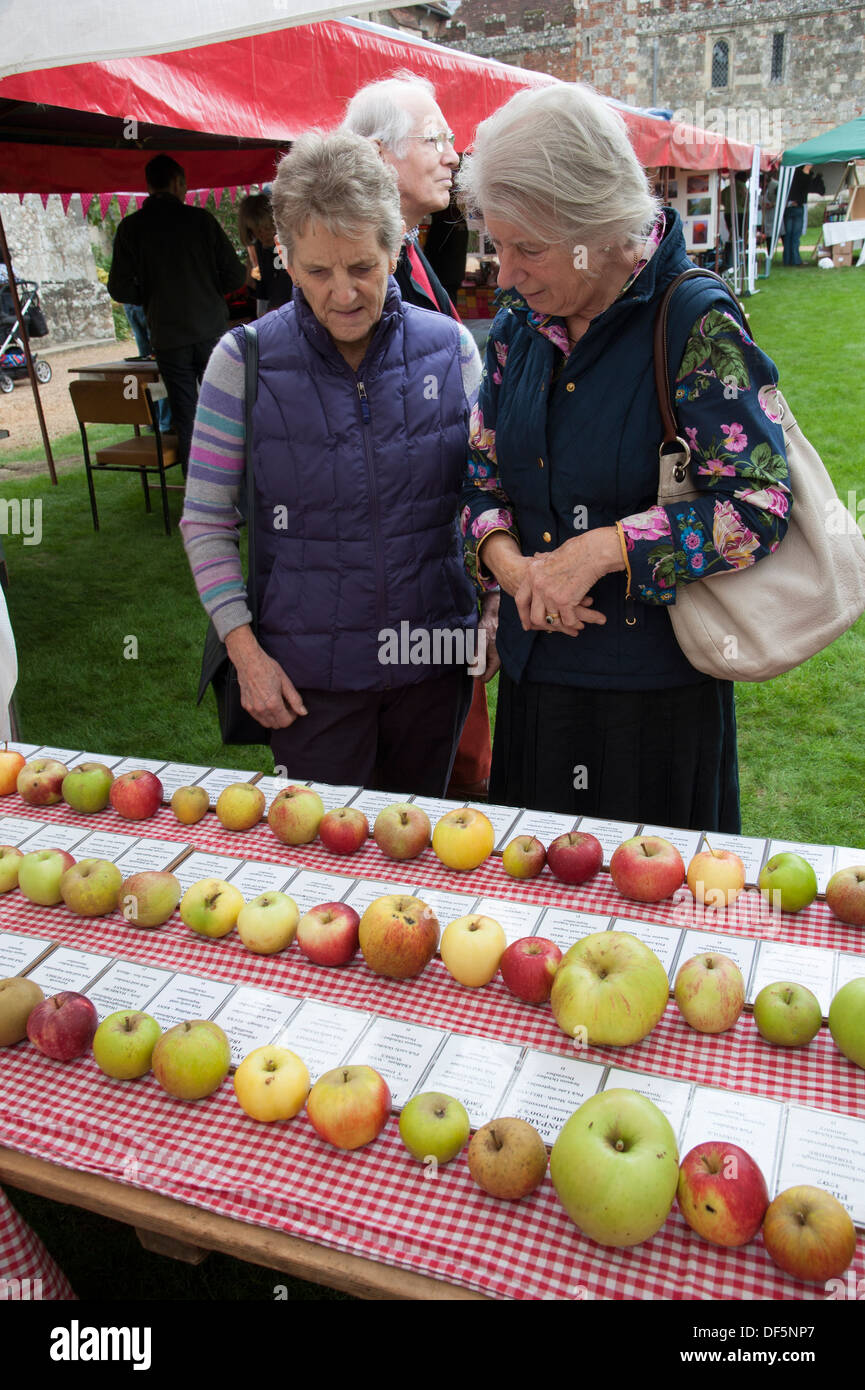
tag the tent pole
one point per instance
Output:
(16, 304)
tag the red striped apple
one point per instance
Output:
(344, 830)
(295, 815)
(398, 936)
(402, 831)
(647, 868)
(528, 968)
(722, 1193)
(328, 934)
(845, 895)
(349, 1106)
(710, 992)
(136, 795)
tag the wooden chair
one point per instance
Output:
(108, 402)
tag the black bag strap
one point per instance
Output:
(250, 394)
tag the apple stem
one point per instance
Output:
(495, 1139)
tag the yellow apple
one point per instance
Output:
(240, 806)
(463, 838)
(190, 804)
(268, 923)
(716, 877)
(211, 907)
(471, 948)
(271, 1083)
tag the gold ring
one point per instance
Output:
(552, 618)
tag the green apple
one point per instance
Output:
(433, 1125)
(787, 1014)
(792, 878)
(615, 1167)
(39, 875)
(18, 997)
(268, 923)
(609, 989)
(847, 1020)
(123, 1044)
(191, 1060)
(148, 898)
(91, 887)
(87, 787)
(10, 858)
(211, 907)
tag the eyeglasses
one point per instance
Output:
(441, 142)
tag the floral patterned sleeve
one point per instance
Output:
(726, 409)
(484, 505)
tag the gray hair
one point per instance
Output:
(340, 181)
(378, 111)
(558, 161)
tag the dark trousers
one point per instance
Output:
(181, 369)
(400, 741)
(794, 225)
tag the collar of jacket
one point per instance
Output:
(641, 289)
(318, 337)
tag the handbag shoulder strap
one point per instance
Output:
(662, 365)
(250, 393)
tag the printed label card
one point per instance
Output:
(476, 1071)
(751, 851)
(436, 806)
(18, 954)
(253, 1018)
(272, 786)
(501, 818)
(67, 756)
(154, 765)
(545, 826)
(310, 889)
(176, 775)
(147, 853)
(199, 865)
(254, 878)
(671, 1097)
(517, 919)
(126, 985)
(14, 830)
(104, 844)
(400, 1052)
(335, 797)
(372, 802)
(564, 927)
(366, 890)
(323, 1035)
(55, 836)
(447, 906)
(741, 949)
(848, 967)
(109, 760)
(548, 1089)
(611, 833)
(753, 1123)
(664, 940)
(821, 856)
(186, 997)
(826, 1151)
(66, 968)
(686, 841)
(801, 965)
(219, 778)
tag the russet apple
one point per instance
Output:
(710, 992)
(11, 763)
(87, 787)
(240, 806)
(615, 1167)
(847, 1020)
(268, 923)
(211, 907)
(610, 989)
(191, 1060)
(349, 1106)
(271, 1083)
(328, 934)
(433, 1125)
(136, 795)
(845, 895)
(344, 830)
(39, 875)
(647, 868)
(295, 815)
(789, 880)
(402, 831)
(787, 1014)
(575, 857)
(190, 804)
(10, 859)
(463, 839)
(524, 857)
(716, 877)
(123, 1044)
(148, 898)
(398, 936)
(471, 948)
(62, 1026)
(507, 1158)
(91, 887)
(40, 782)
(722, 1193)
(18, 999)
(809, 1234)
(528, 968)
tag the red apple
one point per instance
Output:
(136, 795)
(845, 895)
(62, 1027)
(575, 857)
(524, 857)
(40, 782)
(402, 831)
(11, 763)
(809, 1234)
(295, 814)
(328, 934)
(528, 967)
(398, 936)
(39, 875)
(647, 868)
(344, 830)
(722, 1193)
(349, 1106)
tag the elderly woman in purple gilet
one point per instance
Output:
(366, 619)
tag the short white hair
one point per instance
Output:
(558, 161)
(379, 110)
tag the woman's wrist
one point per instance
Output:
(501, 556)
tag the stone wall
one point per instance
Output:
(54, 248)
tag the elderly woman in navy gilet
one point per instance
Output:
(366, 619)
(599, 711)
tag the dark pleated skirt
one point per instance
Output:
(665, 757)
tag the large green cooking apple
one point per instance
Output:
(615, 1167)
(847, 1020)
(610, 989)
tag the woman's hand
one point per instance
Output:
(557, 582)
(488, 657)
(265, 690)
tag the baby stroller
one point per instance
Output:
(13, 363)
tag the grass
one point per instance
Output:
(109, 633)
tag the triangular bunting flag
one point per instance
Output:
(66, 199)
(86, 200)
(104, 202)
(124, 199)
(45, 197)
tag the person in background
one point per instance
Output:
(599, 712)
(402, 116)
(177, 262)
(137, 320)
(446, 246)
(357, 467)
(271, 280)
(805, 181)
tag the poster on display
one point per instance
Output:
(694, 195)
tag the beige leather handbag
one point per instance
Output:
(759, 621)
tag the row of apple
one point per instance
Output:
(614, 1166)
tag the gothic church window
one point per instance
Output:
(720, 63)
